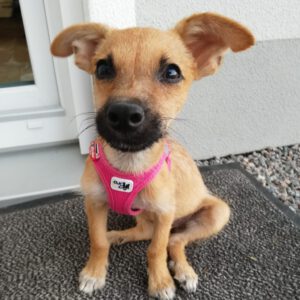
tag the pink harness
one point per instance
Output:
(122, 188)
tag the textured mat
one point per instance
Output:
(257, 256)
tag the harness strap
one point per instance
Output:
(121, 187)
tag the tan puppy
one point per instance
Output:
(151, 71)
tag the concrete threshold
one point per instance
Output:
(32, 174)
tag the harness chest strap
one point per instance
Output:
(122, 188)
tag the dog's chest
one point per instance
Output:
(99, 194)
(141, 201)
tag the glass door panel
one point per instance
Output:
(35, 108)
(27, 75)
(15, 65)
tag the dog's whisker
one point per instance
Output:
(83, 126)
(85, 113)
(175, 132)
(86, 128)
(174, 118)
(81, 114)
(87, 121)
(186, 122)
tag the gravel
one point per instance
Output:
(278, 169)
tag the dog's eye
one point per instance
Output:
(105, 69)
(171, 74)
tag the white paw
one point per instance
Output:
(187, 282)
(88, 284)
(165, 294)
(187, 277)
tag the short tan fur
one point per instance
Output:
(177, 207)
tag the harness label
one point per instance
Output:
(121, 184)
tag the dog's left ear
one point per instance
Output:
(207, 36)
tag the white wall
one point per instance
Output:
(267, 19)
(116, 13)
(253, 102)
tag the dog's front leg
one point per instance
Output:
(160, 283)
(92, 277)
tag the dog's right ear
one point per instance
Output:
(80, 39)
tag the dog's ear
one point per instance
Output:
(80, 39)
(207, 36)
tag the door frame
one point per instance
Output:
(73, 83)
(59, 123)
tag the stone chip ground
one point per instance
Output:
(278, 169)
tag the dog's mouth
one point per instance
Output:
(137, 134)
(129, 147)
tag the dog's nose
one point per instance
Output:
(125, 116)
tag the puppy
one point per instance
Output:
(141, 80)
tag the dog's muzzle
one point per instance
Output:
(128, 124)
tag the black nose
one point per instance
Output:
(123, 116)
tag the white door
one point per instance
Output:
(39, 99)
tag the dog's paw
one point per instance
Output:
(88, 284)
(164, 294)
(114, 237)
(187, 282)
(186, 276)
(163, 289)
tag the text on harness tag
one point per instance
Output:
(121, 184)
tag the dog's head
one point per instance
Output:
(142, 75)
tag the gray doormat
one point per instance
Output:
(257, 256)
